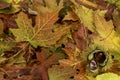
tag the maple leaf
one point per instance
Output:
(108, 37)
(25, 28)
(42, 34)
(47, 59)
(103, 27)
(61, 73)
(50, 5)
(86, 16)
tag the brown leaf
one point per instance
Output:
(92, 4)
(80, 37)
(67, 62)
(40, 1)
(4, 5)
(40, 72)
(109, 13)
(53, 59)
(42, 54)
(116, 19)
(115, 68)
(81, 71)
(58, 72)
(9, 21)
(70, 16)
(1, 26)
(46, 34)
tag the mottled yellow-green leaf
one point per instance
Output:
(103, 27)
(86, 16)
(108, 76)
(108, 38)
(17, 1)
(11, 1)
(5, 46)
(11, 10)
(60, 73)
(107, 35)
(25, 29)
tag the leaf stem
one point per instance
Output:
(41, 27)
(19, 51)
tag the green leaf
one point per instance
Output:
(108, 76)
(60, 73)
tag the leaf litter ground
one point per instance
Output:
(59, 39)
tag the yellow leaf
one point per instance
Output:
(50, 5)
(108, 76)
(107, 35)
(86, 16)
(103, 27)
(24, 28)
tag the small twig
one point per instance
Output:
(19, 51)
